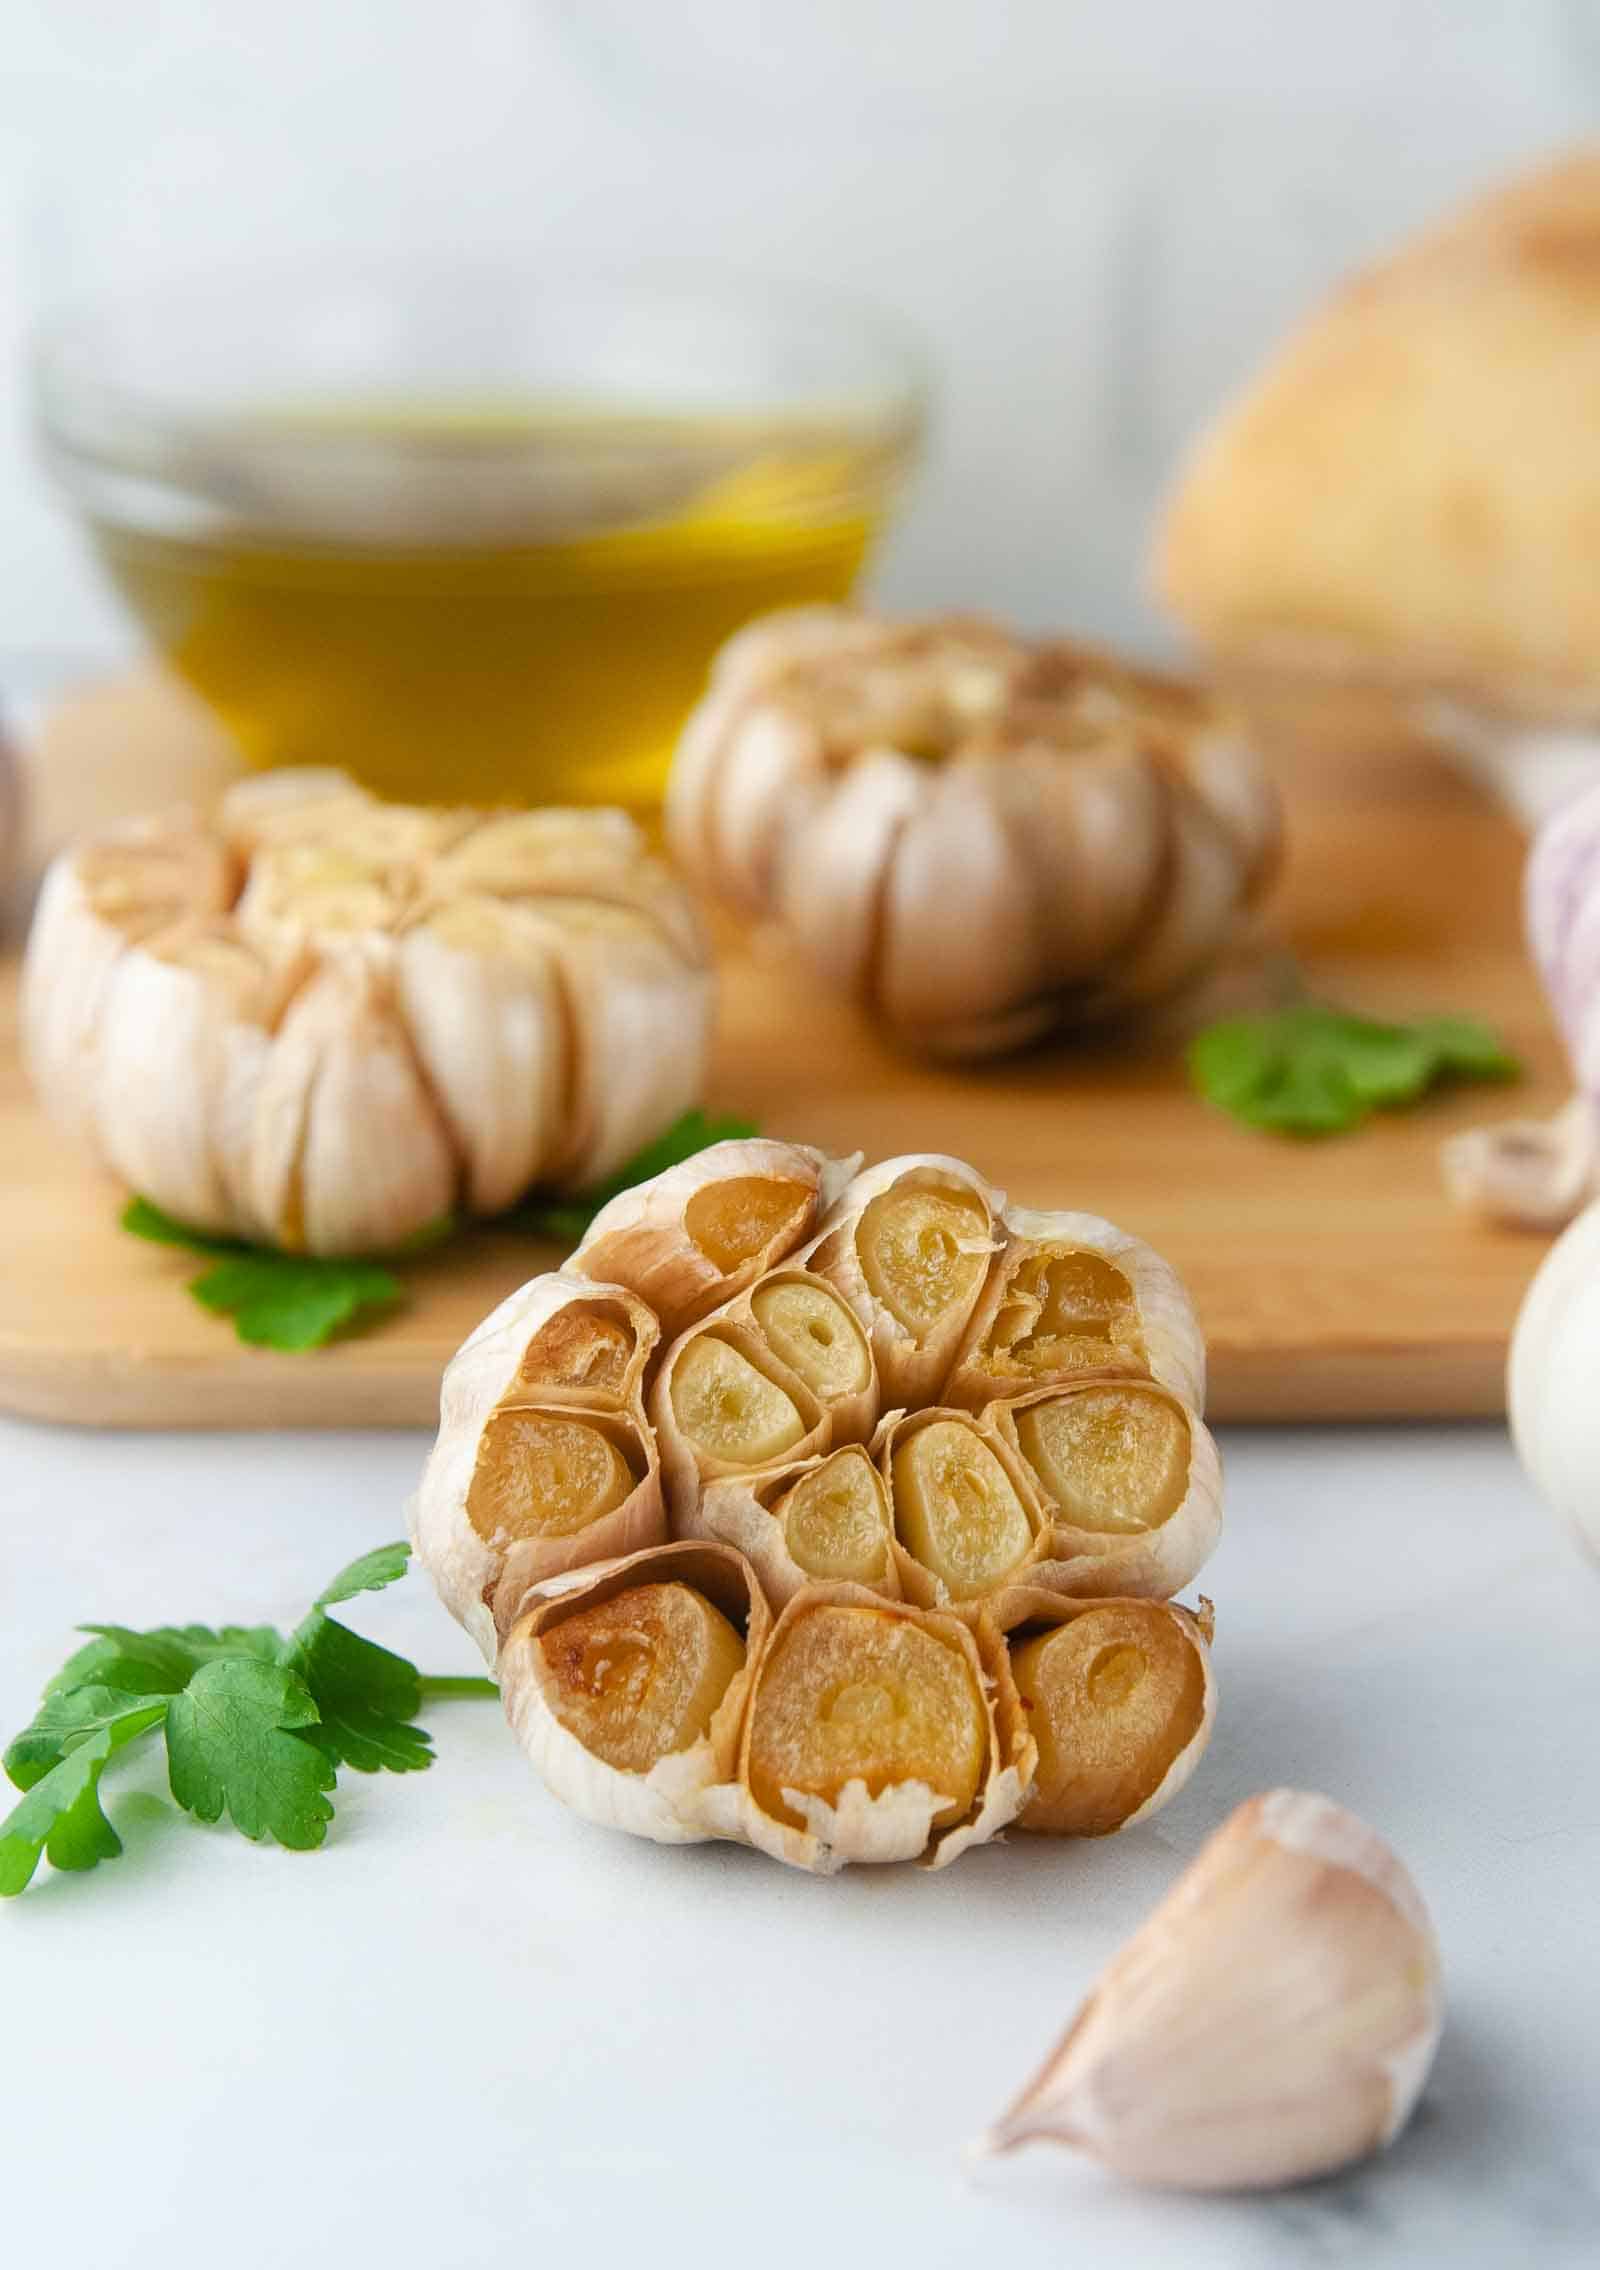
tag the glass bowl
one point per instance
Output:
(469, 533)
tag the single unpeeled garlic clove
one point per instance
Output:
(1274, 2019)
(1129, 1480)
(1072, 1293)
(627, 1686)
(909, 1244)
(691, 1238)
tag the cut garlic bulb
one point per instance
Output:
(875, 1732)
(1119, 1698)
(543, 1461)
(628, 1687)
(1128, 1479)
(980, 837)
(768, 1373)
(1274, 2019)
(328, 1022)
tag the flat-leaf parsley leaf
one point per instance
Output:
(256, 1725)
(1313, 1070)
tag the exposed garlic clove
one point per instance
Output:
(691, 1238)
(1274, 2019)
(878, 1732)
(560, 1347)
(722, 1405)
(1118, 1696)
(966, 1519)
(1554, 1410)
(1129, 1480)
(627, 1688)
(909, 1243)
(822, 1519)
(1072, 1293)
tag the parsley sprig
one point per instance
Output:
(257, 1725)
(297, 1301)
(1309, 1069)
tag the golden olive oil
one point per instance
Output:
(485, 604)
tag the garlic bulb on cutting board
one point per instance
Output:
(324, 1022)
(837, 1511)
(980, 838)
(1551, 1383)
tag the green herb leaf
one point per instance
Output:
(365, 1698)
(1312, 1070)
(256, 1724)
(159, 1662)
(385, 1564)
(281, 1300)
(290, 1301)
(61, 1814)
(565, 1219)
(148, 1221)
(233, 1744)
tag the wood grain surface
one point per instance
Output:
(1334, 1279)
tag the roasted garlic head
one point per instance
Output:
(982, 838)
(325, 1022)
(953, 1448)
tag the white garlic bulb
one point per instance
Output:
(943, 1442)
(980, 838)
(1555, 1360)
(1274, 2019)
(325, 1022)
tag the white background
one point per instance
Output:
(1100, 216)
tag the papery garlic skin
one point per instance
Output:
(982, 838)
(1274, 2019)
(481, 1581)
(687, 1796)
(325, 1023)
(1551, 1379)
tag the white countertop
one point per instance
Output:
(474, 2024)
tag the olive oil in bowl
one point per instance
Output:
(498, 588)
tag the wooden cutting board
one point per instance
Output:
(1334, 1280)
